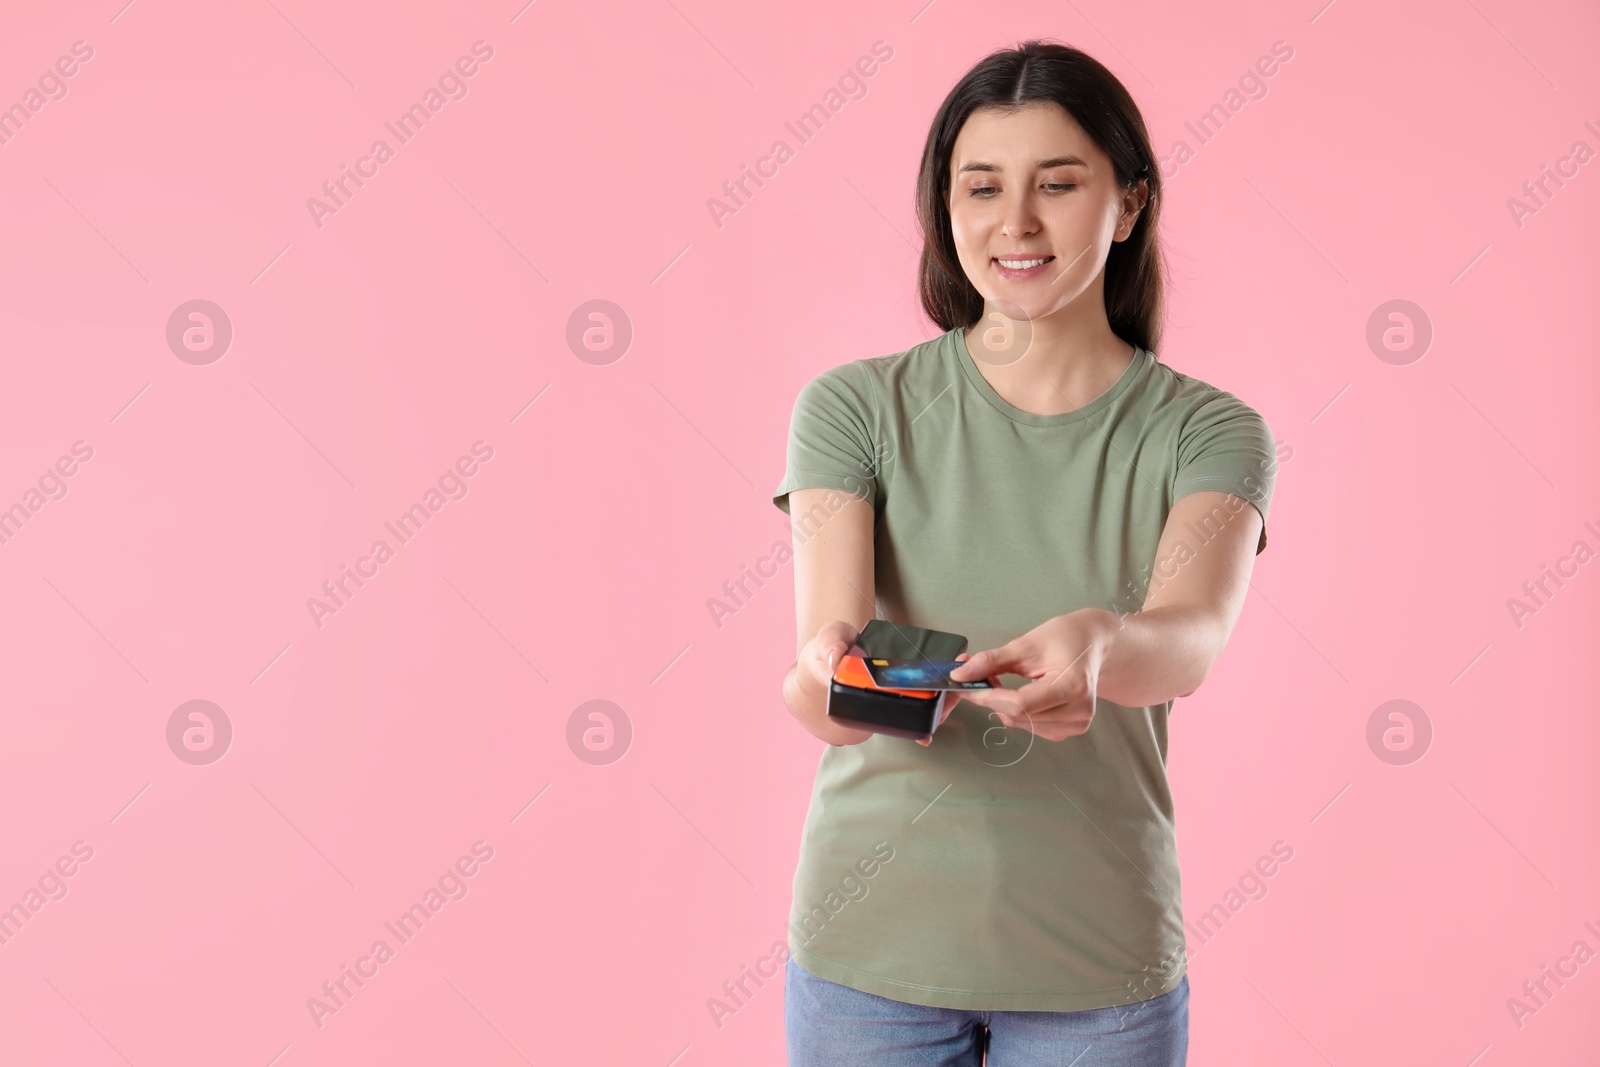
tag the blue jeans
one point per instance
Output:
(831, 1025)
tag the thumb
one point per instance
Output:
(1013, 657)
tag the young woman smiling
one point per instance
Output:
(1035, 479)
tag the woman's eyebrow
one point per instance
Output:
(1043, 164)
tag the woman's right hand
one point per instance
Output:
(820, 658)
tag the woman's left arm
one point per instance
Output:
(1165, 650)
(1197, 589)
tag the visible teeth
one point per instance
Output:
(1021, 264)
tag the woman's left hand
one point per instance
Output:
(1062, 656)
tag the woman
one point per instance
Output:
(1034, 479)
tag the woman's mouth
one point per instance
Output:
(1019, 269)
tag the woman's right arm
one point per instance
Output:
(834, 598)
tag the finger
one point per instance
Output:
(836, 634)
(1059, 723)
(963, 658)
(1013, 657)
(946, 702)
(1054, 731)
(1071, 715)
(1035, 698)
(970, 664)
(987, 698)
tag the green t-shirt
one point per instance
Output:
(994, 869)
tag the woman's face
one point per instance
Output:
(1027, 185)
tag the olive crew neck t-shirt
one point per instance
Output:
(993, 869)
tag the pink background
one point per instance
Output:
(432, 309)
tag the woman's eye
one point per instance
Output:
(982, 191)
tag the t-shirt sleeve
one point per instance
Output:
(830, 437)
(1225, 445)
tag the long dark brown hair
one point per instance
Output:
(1007, 80)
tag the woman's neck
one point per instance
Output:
(1044, 367)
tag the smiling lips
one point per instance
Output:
(1016, 269)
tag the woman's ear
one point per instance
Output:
(1140, 195)
(1133, 201)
